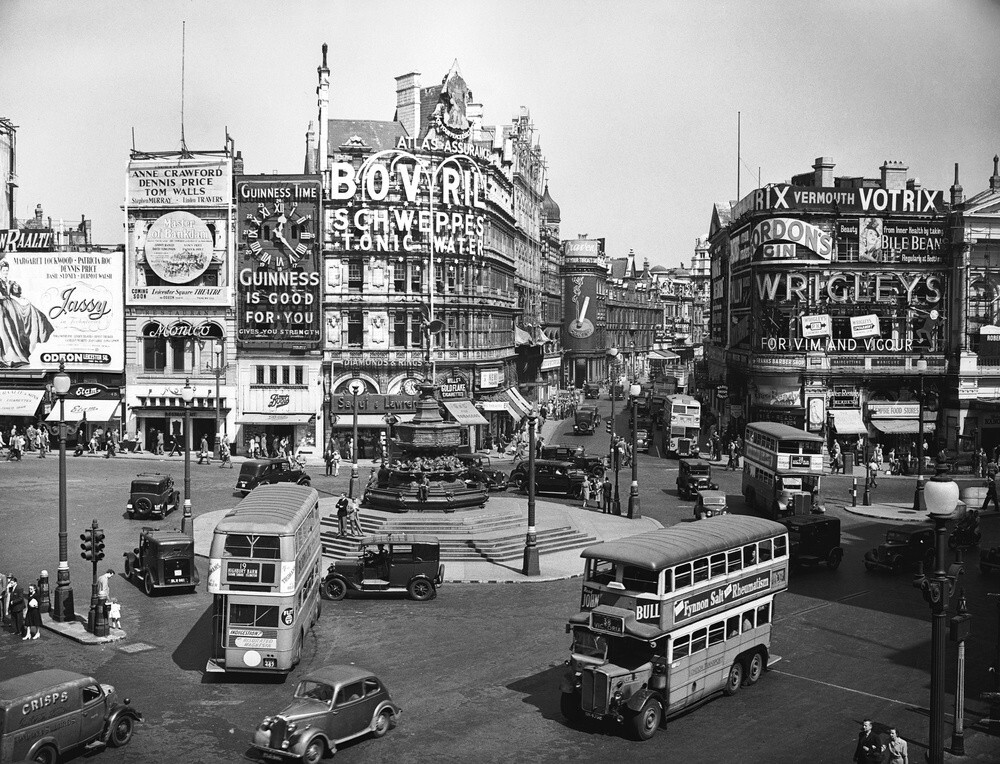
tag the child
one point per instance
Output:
(115, 615)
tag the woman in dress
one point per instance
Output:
(33, 619)
(22, 325)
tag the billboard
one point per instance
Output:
(580, 313)
(180, 183)
(62, 306)
(278, 282)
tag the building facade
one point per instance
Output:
(831, 307)
(634, 315)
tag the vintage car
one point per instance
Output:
(388, 562)
(903, 549)
(551, 476)
(642, 441)
(814, 540)
(163, 560)
(591, 391)
(331, 705)
(694, 475)
(481, 470)
(710, 504)
(152, 495)
(589, 463)
(585, 420)
(47, 714)
(255, 472)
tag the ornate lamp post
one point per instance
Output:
(633, 492)
(187, 522)
(941, 496)
(612, 354)
(530, 564)
(355, 388)
(921, 370)
(218, 370)
(62, 608)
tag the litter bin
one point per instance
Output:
(848, 457)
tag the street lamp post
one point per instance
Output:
(356, 388)
(187, 522)
(616, 504)
(941, 496)
(530, 566)
(217, 370)
(633, 492)
(921, 369)
(867, 499)
(62, 608)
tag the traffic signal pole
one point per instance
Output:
(93, 551)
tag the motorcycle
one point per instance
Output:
(967, 532)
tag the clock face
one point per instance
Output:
(277, 236)
(410, 386)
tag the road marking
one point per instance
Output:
(849, 689)
(136, 647)
(823, 605)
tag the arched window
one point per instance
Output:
(154, 348)
(211, 347)
(181, 353)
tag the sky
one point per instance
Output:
(635, 103)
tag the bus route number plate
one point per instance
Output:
(270, 663)
(609, 623)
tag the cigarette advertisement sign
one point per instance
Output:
(179, 183)
(62, 306)
(279, 281)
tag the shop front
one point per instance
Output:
(87, 409)
(897, 426)
(372, 414)
(161, 410)
(280, 417)
(18, 408)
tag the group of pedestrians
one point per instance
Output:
(18, 443)
(878, 748)
(20, 609)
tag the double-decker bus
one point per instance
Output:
(670, 617)
(264, 572)
(780, 463)
(681, 425)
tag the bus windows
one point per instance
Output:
(682, 575)
(748, 620)
(253, 615)
(764, 550)
(601, 572)
(780, 546)
(749, 555)
(699, 640)
(717, 563)
(682, 646)
(254, 547)
(587, 643)
(735, 560)
(716, 633)
(701, 570)
(764, 614)
(640, 580)
(732, 627)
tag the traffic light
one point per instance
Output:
(607, 426)
(98, 535)
(87, 537)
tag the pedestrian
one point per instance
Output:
(991, 487)
(585, 492)
(175, 444)
(138, 441)
(115, 615)
(328, 460)
(896, 747)
(872, 474)
(835, 458)
(354, 519)
(30, 438)
(335, 458)
(879, 458)
(343, 509)
(979, 463)
(43, 441)
(606, 495)
(734, 459)
(203, 454)
(870, 745)
(226, 453)
(33, 617)
(104, 585)
(159, 442)
(16, 607)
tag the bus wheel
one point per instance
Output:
(646, 722)
(569, 705)
(421, 590)
(334, 589)
(755, 670)
(315, 752)
(734, 680)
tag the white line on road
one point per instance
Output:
(849, 689)
(821, 605)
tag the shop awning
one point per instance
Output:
(901, 426)
(518, 401)
(253, 417)
(662, 355)
(848, 422)
(500, 406)
(96, 410)
(465, 412)
(20, 402)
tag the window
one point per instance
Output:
(253, 615)
(298, 375)
(701, 570)
(735, 558)
(91, 693)
(399, 277)
(372, 687)
(639, 580)
(273, 377)
(354, 271)
(780, 546)
(602, 571)
(699, 640)
(417, 278)
(260, 374)
(154, 349)
(285, 375)
(764, 550)
(732, 627)
(254, 547)
(178, 355)
(764, 614)
(716, 633)
(749, 555)
(748, 620)
(717, 565)
(350, 692)
(416, 331)
(355, 328)
(399, 329)
(682, 646)
(682, 575)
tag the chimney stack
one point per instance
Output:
(957, 197)
(323, 104)
(894, 175)
(995, 179)
(823, 168)
(408, 103)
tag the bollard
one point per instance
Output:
(44, 601)
(854, 493)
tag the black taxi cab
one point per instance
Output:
(255, 472)
(389, 562)
(163, 560)
(46, 714)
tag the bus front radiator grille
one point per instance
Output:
(594, 692)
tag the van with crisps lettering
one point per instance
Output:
(45, 714)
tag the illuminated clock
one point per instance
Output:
(410, 386)
(269, 238)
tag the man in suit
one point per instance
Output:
(871, 747)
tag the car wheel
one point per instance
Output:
(128, 569)
(420, 590)
(755, 670)
(735, 679)
(46, 755)
(517, 482)
(147, 584)
(647, 720)
(834, 558)
(383, 722)
(315, 752)
(334, 588)
(304, 481)
(143, 507)
(121, 733)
